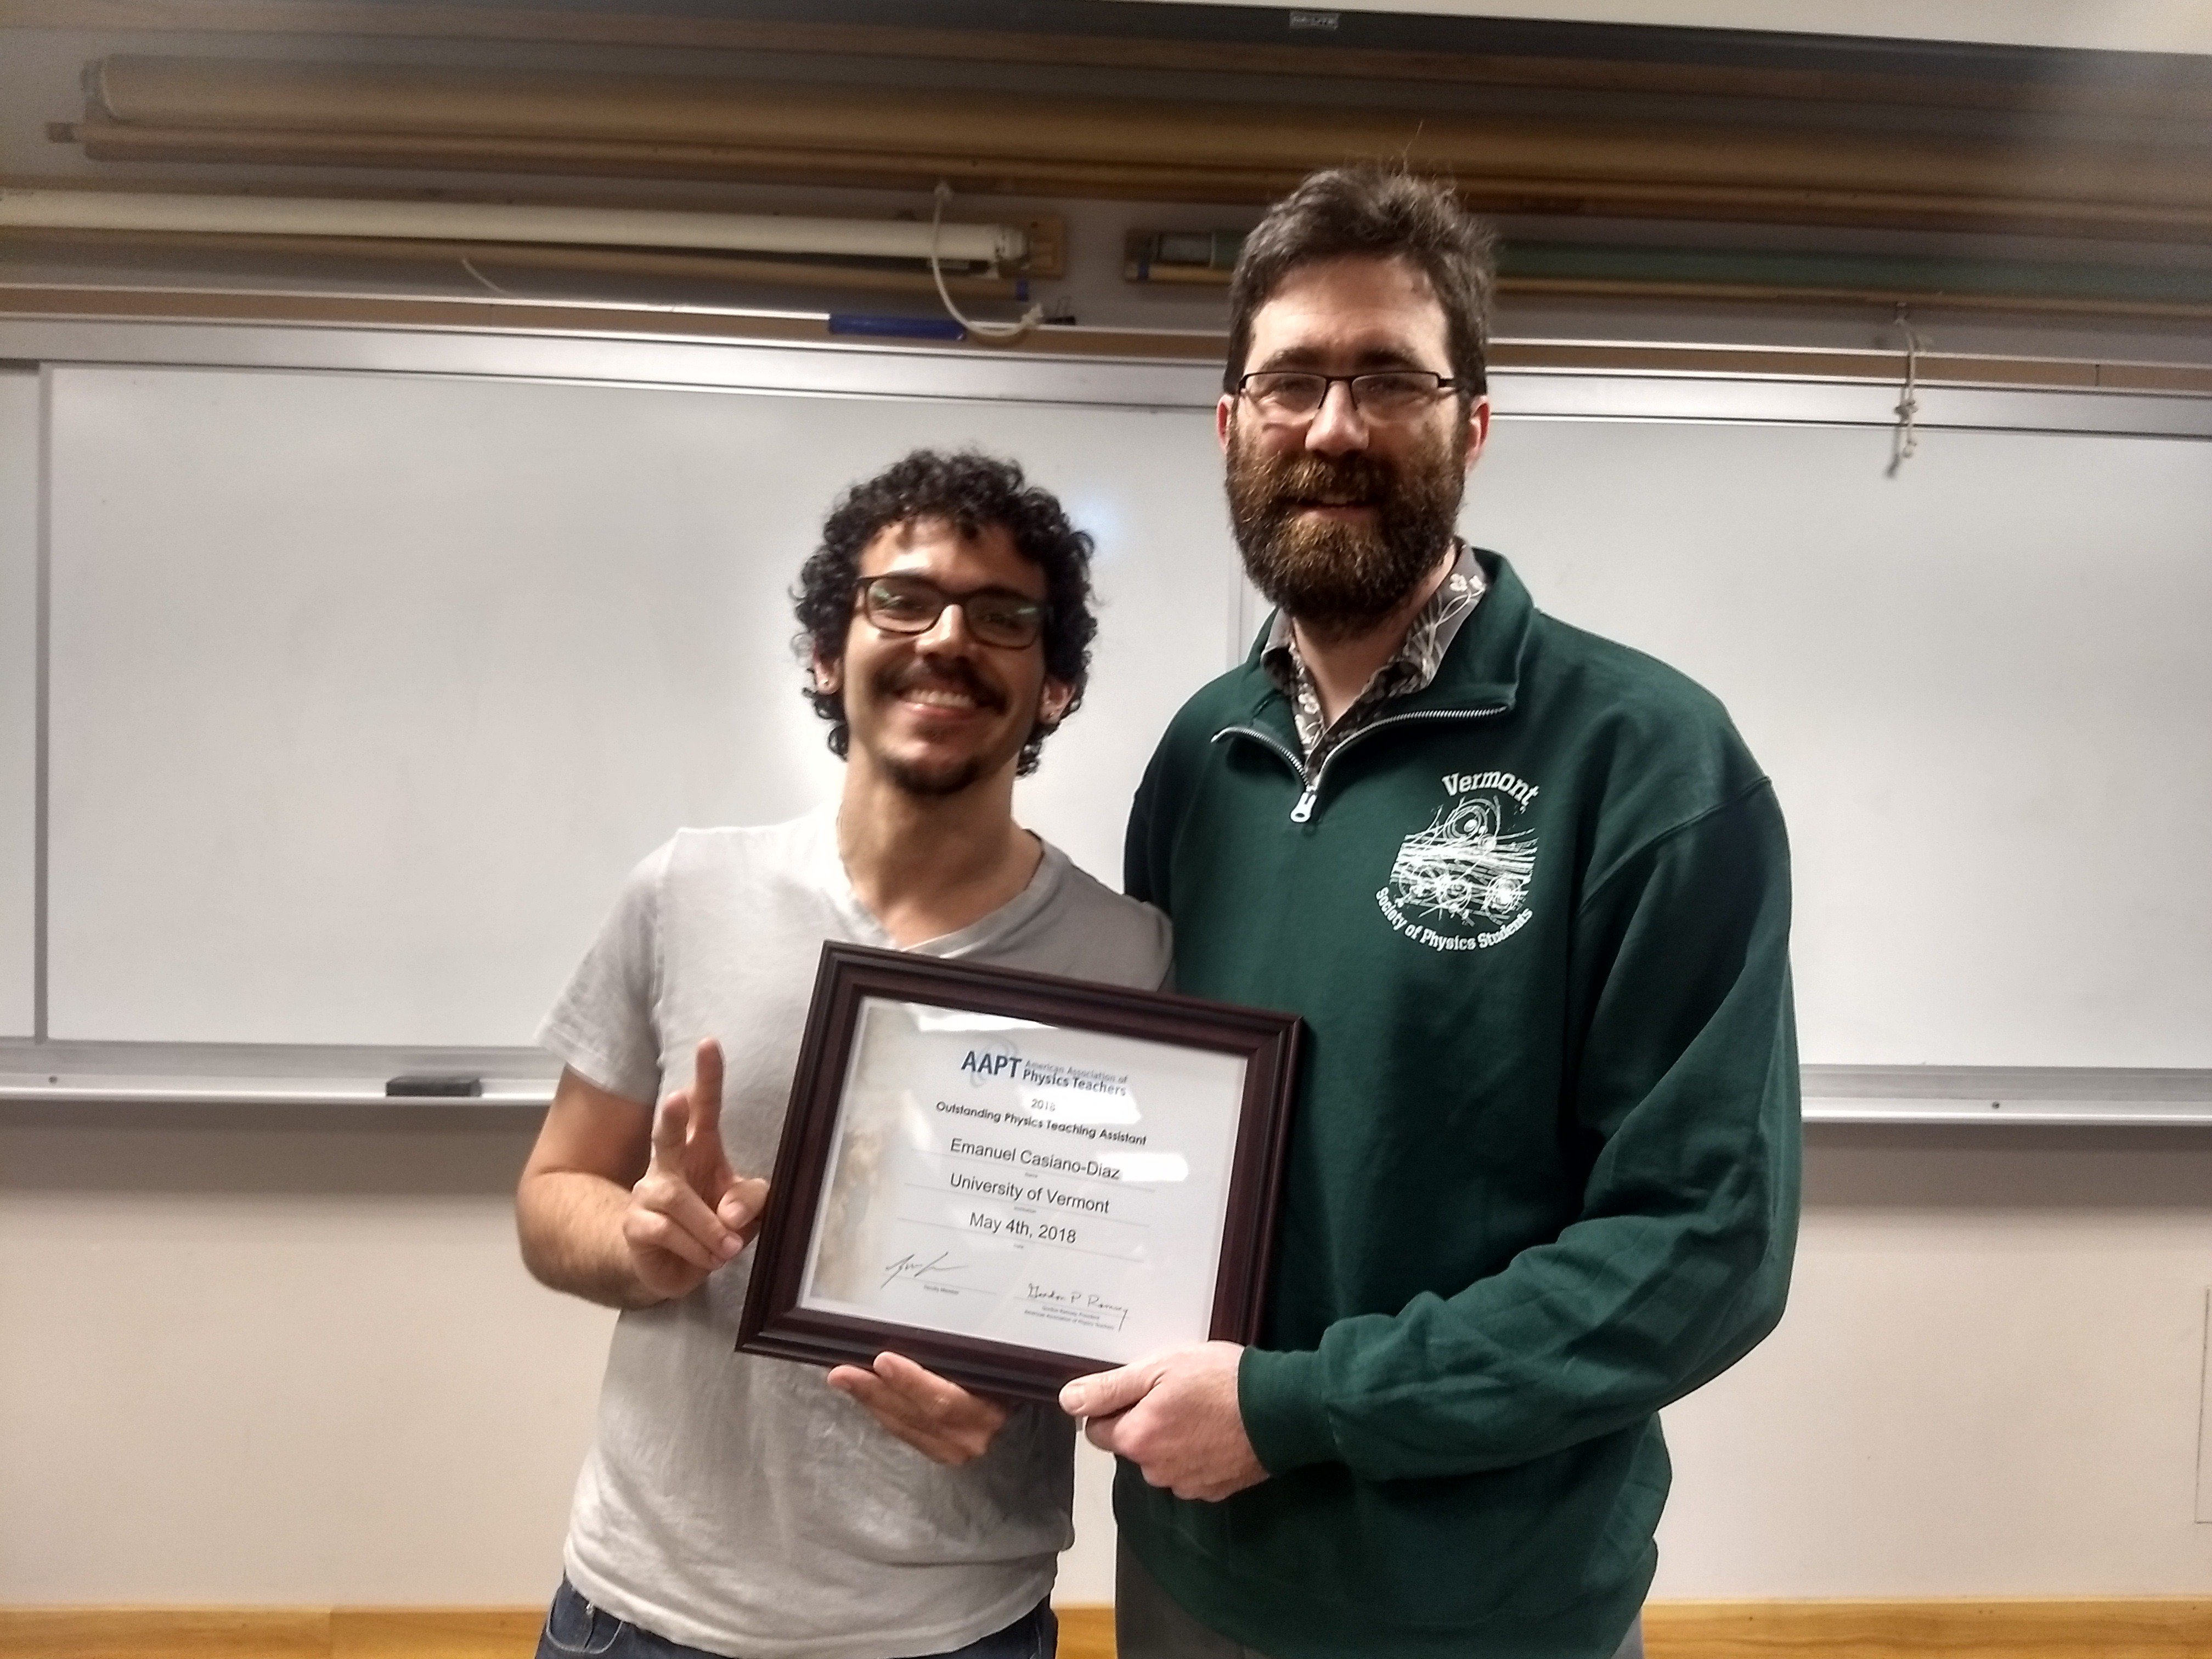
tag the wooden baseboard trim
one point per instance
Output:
(2142, 1628)
(1086, 1632)
(2149, 1627)
(101, 1632)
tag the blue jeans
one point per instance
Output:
(574, 1629)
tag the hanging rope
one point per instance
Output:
(1905, 438)
(1013, 331)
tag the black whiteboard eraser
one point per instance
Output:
(418, 1085)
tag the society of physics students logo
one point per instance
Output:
(1462, 882)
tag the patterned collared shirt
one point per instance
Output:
(1410, 670)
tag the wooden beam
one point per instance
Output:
(1559, 188)
(426, 101)
(2173, 89)
(415, 116)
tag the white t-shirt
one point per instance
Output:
(737, 1504)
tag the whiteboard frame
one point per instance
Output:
(79, 1073)
(246, 1074)
(879, 371)
(23, 651)
(305, 1075)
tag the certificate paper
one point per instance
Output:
(1009, 1180)
(1014, 1179)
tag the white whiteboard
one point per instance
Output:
(1982, 689)
(367, 690)
(19, 693)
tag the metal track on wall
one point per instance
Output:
(794, 352)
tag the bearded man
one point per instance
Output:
(1531, 895)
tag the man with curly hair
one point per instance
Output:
(742, 1506)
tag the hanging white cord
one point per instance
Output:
(1013, 331)
(1906, 439)
(503, 292)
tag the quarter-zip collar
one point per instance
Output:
(1479, 678)
(1419, 653)
(1482, 668)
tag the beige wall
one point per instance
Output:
(1988, 1382)
(269, 1358)
(274, 1358)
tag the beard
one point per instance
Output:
(925, 783)
(1337, 577)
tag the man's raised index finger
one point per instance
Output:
(707, 1096)
(706, 1084)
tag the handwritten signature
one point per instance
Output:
(1088, 1302)
(907, 1267)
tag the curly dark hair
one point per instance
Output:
(970, 491)
(1380, 211)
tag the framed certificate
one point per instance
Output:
(1014, 1179)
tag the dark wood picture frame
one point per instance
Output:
(773, 1323)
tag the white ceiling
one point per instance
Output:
(2109, 25)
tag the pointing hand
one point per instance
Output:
(688, 1213)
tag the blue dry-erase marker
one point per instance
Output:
(908, 328)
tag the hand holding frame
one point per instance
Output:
(1175, 1417)
(939, 1418)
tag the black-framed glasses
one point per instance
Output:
(912, 604)
(1386, 394)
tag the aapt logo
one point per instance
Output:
(982, 1063)
(1462, 882)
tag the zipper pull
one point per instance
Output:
(1304, 809)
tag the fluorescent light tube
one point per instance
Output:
(473, 222)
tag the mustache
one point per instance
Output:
(1292, 481)
(953, 675)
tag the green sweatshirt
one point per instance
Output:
(1543, 1174)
